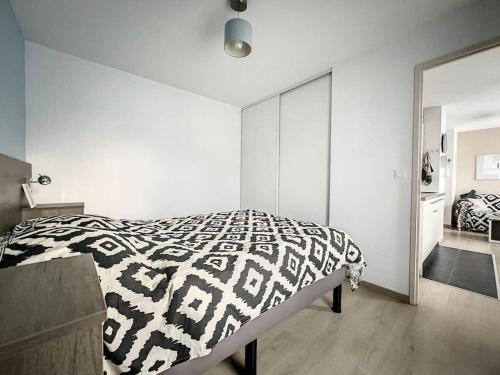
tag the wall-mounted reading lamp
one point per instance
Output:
(42, 180)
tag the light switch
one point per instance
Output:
(400, 174)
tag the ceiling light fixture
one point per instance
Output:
(238, 32)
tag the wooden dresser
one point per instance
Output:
(52, 209)
(51, 316)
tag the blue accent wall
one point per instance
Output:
(12, 98)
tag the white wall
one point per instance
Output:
(125, 145)
(451, 168)
(372, 136)
(469, 145)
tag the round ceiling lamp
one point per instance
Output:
(238, 32)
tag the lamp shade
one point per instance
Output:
(42, 180)
(238, 37)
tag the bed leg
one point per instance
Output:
(251, 358)
(337, 299)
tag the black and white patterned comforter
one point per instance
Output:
(175, 288)
(478, 221)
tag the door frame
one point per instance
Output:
(417, 151)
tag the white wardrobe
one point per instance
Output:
(285, 163)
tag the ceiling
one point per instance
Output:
(180, 42)
(469, 89)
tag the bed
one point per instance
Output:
(469, 217)
(184, 293)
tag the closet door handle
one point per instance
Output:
(437, 201)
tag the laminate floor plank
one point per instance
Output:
(451, 332)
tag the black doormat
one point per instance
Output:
(461, 268)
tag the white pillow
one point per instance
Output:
(478, 205)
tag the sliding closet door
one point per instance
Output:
(259, 150)
(304, 157)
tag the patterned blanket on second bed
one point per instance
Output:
(175, 288)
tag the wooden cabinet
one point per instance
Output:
(52, 209)
(431, 224)
(51, 316)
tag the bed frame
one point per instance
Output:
(247, 335)
(14, 172)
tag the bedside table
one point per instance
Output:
(52, 209)
(51, 316)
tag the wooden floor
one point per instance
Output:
(452, 331)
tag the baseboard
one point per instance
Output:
(387, 292)
(448, 226)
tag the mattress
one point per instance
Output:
(175, 288)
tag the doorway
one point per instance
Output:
(437, 157)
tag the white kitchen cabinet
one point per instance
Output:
(431, 225)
